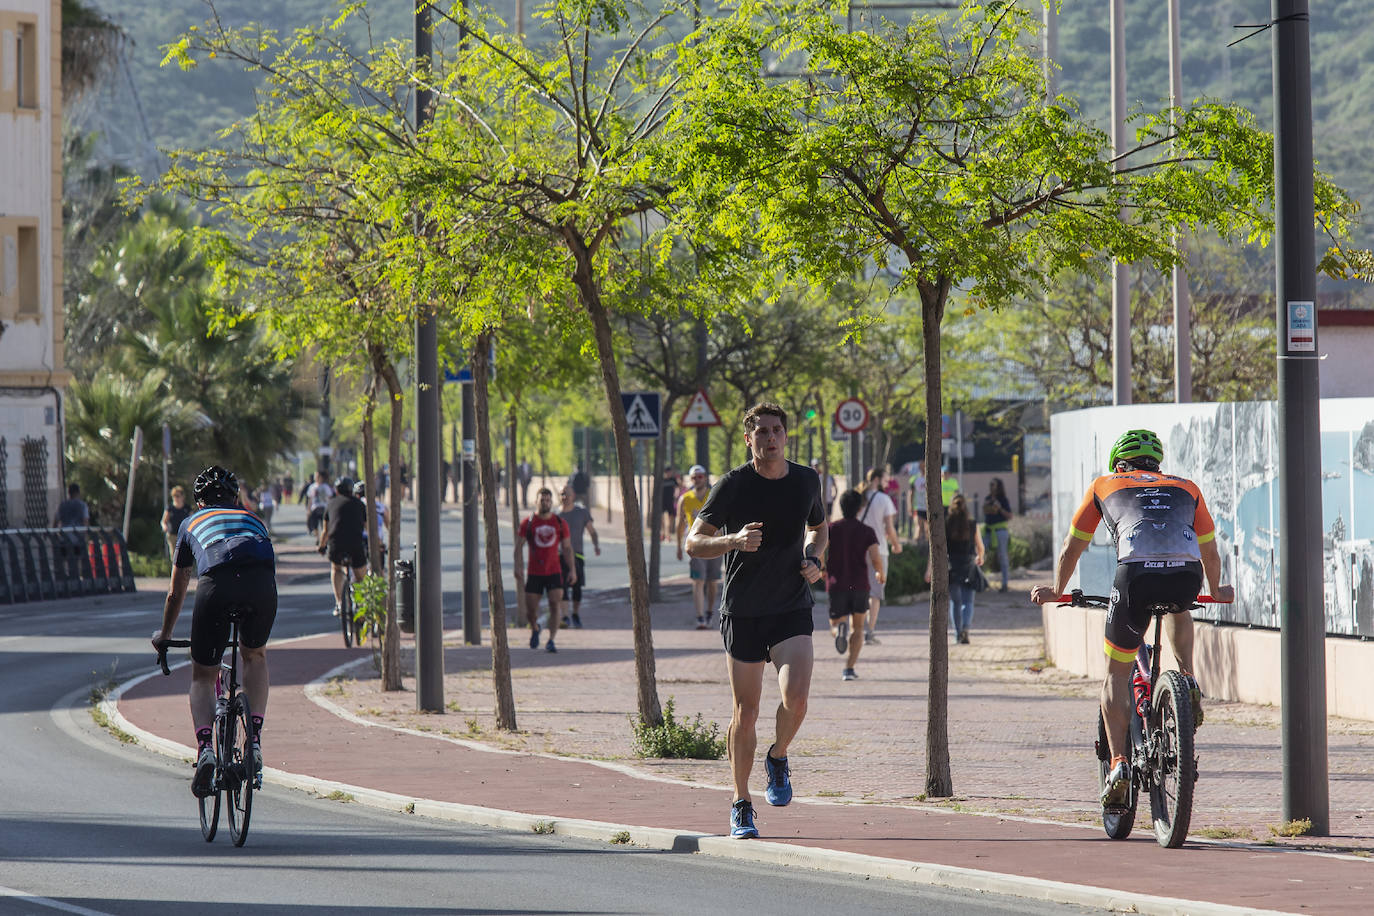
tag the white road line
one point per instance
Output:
(35, 900)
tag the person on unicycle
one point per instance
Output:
(229, 548)
(1165, 543)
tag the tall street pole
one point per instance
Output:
(1183, 299)
(472, 508)
(1301, 615)
(1121, 278)
(429, 610)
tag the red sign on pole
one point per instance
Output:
(851, 415)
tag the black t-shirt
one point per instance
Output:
(347, 518)
(769, 580)
(175, 516)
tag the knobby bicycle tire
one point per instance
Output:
(238, 768)
(1171, 792)
(1116, 822)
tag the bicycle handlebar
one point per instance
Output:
(162, 648)
(1076, 598)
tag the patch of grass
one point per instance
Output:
(100, 689)
(622, 838)
(474, 728)
(1300, 827)
(452, 706)
(693, 739)
(1224, 833)
(830, 794)
(339, 795)
(335, 687)
(543, 827)
(409, 808)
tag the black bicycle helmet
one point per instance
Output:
(344, 486)
(216, 486)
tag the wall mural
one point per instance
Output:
(1231, 451)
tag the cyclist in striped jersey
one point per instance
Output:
(231, 553)
(1165, 545)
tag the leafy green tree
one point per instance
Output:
(932, 145)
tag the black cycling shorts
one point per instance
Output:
(253, 588)
(847, 602)
(353, 554)
(749, 639)
(1136, 588)
(573, 592)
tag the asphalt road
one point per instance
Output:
(88, 825)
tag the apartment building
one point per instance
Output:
(33, 381)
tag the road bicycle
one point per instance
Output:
(236, 775)
(1163, 757)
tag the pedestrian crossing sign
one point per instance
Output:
(641, 413)
(700, 411)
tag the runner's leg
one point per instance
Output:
(746, 686)
(794, 659)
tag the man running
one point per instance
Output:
(705, 573)
(548, 538)
(579, 521)
(231, 552)
(766, 518)
(1165, 542)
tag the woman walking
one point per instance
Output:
(996, 514)
(965, 555)
(879, 514)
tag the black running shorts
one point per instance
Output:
(573, 592)
(353, 555)
(253, 588)
(538, 585)
(1136, 587)
(749, 639)
(847, 603)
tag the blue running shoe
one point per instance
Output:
(779, 791)
(534, 637)
(742, 820)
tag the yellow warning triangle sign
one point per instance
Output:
(700, 411)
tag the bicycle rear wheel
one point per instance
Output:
(238, 770)
(346, 613)
(1117, 822)
(1171, 794)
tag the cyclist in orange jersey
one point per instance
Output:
(1165, 543)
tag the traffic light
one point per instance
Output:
(810, 414)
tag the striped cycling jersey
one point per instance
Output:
(222, 536)
(1151, 516)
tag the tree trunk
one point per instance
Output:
(500, 649)
(391, 641)
(649, 710)
(825, 451)
(939, 783)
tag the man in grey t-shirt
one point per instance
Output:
(579, 519)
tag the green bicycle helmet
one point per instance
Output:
(1137, 443)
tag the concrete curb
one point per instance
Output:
(759, 852)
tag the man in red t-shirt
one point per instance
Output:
(547, 536)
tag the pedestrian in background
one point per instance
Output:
(524, 473)
(669, 489)
(579, 521)
(965, 554)
(996, 515)
(267, 505)
(549, 539)
(919, 497)
(880, 515)
(827, 487)
(317, 495)
(172, 517)
(705, 574)
(852, 552)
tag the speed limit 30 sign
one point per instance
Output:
(851, 415)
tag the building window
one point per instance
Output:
(26, 64)
(19, 287)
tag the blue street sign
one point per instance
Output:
(641, 413)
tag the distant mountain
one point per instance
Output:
(148, 107)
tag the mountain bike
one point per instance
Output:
(1163, 757)
(236, 773)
